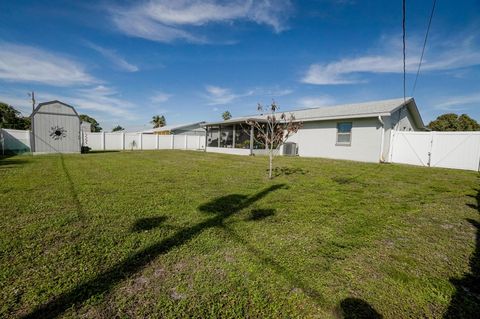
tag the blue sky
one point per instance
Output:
(124, 61)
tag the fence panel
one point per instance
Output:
(113, 141)
(459, 150)
(165, 142)
(93, 140)
(411, 147)
(132, 141)
(149, 142)
(193, 142)
(179, 142)
(14, 141)
(456, 150)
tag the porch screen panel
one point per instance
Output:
(242, 138)
(226, 136)
(213, 134)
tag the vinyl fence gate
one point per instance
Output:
(459, 150)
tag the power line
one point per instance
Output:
(404, 51)
(424, 45)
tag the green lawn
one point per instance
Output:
(189, 234)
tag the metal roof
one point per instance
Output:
(344, 111)
(173, 127)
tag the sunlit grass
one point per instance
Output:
(177, 234)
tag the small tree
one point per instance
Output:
(93, 123)
(158, 121)
(11, 118)
(274, 131)
(118, 128)
(226, 115)
(453, 122)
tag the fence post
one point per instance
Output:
(103, 141)
(141, 141)
(123, 140)
(172, 141)
(432, 135)
(29, 140)
(158, 141)
(2, 142)
(391, 147)
(186, 142)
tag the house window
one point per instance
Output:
(344, 133)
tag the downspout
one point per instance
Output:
(383, 139)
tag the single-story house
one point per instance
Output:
(359, 131)
(196, 129)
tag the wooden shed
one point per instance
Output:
(55, 128)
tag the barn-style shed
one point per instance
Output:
(55, 128)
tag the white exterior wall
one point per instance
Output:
(318, 139)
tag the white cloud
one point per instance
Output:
(458, 102)
(103, 99)
(160, 97)
(99, 101)
(218, 95)
(445, 55)
(20, 63)
(165, 20)
(317, 101)
(113, 57)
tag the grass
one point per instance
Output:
(189, 234)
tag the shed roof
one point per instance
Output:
(40, 105)
(344, 111)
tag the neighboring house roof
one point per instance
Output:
(344, 111)
(173, 127)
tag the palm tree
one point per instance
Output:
(158, 121)
(226, 115)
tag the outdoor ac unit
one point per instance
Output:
(290, 149)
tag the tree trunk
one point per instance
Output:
(270, 157)
(271, 165)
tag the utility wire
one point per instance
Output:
(403, 38)
(424, 45)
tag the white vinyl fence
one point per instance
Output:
(459, 150)
(14, 141)
(139, 141)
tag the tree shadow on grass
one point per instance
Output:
(465, 302)
(259, 214)
(221, 208)
(71, 188)
(286, 171)
(355, 308)
(5, 162)
(267, 261)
